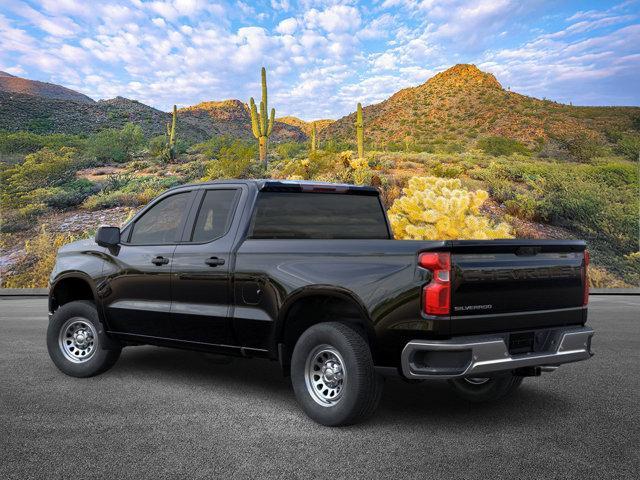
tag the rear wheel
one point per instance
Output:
(485, 389)
(333, 376)
(73, 341)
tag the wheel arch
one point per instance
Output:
(317, 304)
(70, 287)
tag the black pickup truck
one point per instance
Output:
(309, 275)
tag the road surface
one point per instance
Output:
(162, 413)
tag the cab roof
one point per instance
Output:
(310, 186)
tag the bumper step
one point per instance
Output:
(476, 355)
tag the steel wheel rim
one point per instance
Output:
(78, 340)
(325, 375)
(476, 380)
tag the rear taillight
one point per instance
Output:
(436, 295)
(585, 278)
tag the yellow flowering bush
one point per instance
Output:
(433, 208)
(41, 253)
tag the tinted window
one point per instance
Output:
(215, 215)
(318, 215)
(160, 224)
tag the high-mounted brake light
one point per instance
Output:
(585, 278)
(436, 295)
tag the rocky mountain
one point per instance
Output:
(16, 85)
(463, 103)
(232, 117)
(19, 111)
(47, 108)
(305, 126)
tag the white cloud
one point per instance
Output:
(335, 19)
(56, 26)
(287, 26)
(15, 70)
(280, 5)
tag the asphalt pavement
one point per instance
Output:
(162, 413)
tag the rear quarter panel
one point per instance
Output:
(380, 275)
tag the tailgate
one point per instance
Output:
(504, 285)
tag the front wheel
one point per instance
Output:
(485, 389)
(333, 376)
(73, 341)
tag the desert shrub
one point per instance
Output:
(289, 150)
(129, 191)
(319, 164)
(336, 146)
(67, 195)
(212, 147)
(498, 146)
(40, 258)
(232, 161)
(446, 170)
(523, 206)
(157, 145)
(601, 278)
(629, 146)
(43, 169)
(191, 171)
(119, 199)
(40, 125)
(434, 208)
(581, 146)
(23, 218)
(597, 201)
(28, 142)
(116, 145)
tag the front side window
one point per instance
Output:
(160, 224)
(215, 215)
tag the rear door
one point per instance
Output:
(202, 266)
(137, 293)
(510, 285)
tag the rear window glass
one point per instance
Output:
(318, 215)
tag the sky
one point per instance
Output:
(322, 57)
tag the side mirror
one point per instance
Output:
(108, 236)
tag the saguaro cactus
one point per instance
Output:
(260, 124)
(360, 132)
(314, 138)
(171, 136)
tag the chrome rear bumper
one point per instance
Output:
(483, 354)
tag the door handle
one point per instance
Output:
(214, 261)
(159, 260)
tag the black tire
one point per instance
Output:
(98, 359)
(489, 390)
(361, 387)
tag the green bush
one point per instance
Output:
(582, 146)
(447, 171)
(28, 142)
(211, 148)
(629, 146)
(523, 206)
(43, 169)
(498, 146)
(157, 145)
(116, 145)
(232, 161)
(289, 150)
(68, 195)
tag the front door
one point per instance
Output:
(137, 291)
(201, 269)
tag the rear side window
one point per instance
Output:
(214, 216)
(318, 215)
